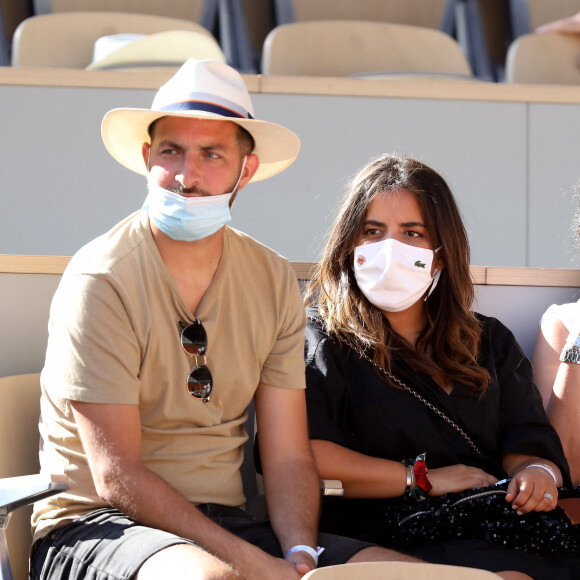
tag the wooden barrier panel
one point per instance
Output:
(507, 151)
(516, 296)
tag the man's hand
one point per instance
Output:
(267, 567)
(302, 562)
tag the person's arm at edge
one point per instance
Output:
(551, 337)
(558, 383)
(564, 414)
(570, 25)
(111, 436)
(291, 481)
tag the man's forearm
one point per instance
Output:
(148, 499)
(293, 497)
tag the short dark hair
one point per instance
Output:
(245, 140)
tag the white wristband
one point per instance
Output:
(548, 469)
(302, 548)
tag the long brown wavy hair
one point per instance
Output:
(448, 344)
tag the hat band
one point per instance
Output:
(205, 106)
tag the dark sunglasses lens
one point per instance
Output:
(199, 382)
(194, 339)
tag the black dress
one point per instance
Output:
(349, 404)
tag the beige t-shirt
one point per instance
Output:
(114, 337)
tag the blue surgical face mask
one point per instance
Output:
(189, 219)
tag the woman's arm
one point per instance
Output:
(363, 476)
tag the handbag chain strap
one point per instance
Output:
(405, 387)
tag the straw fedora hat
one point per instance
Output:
(167, 48)
(201, 89)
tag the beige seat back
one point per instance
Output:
(66, 40)
(415, 12)
(345, 48)
(19, 438)
(187, 9)
(544, 11)
(544, 58)
(398, 571)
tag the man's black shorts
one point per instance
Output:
(107, 545)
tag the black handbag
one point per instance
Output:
(483, 514)
(479, 513)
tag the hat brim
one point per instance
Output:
(125, 130)
(169, 48)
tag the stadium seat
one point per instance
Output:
(66, 40)
(458, 18)
(544, 58)
(186, 9)
(398, 571)
(19, 437)
(347, 48)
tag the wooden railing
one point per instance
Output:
(483, 275)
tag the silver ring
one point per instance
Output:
(549, 496)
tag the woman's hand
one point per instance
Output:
(455, 478)
(532, 489)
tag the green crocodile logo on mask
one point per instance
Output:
(419, 264)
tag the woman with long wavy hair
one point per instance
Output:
(411, 394)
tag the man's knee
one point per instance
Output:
(185, 561)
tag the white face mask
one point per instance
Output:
(188, 219)
(392, 275)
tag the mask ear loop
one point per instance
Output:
(235, 190)
(434, 278)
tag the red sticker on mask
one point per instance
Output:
(361, 260)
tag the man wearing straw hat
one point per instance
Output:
(162, 331)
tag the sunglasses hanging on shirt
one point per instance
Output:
(194, 343)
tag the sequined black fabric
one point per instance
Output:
(482, 514)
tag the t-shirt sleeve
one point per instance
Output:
(326, 386)
(568, 314)
(284, 366)
(92, 354)
(524, 425)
